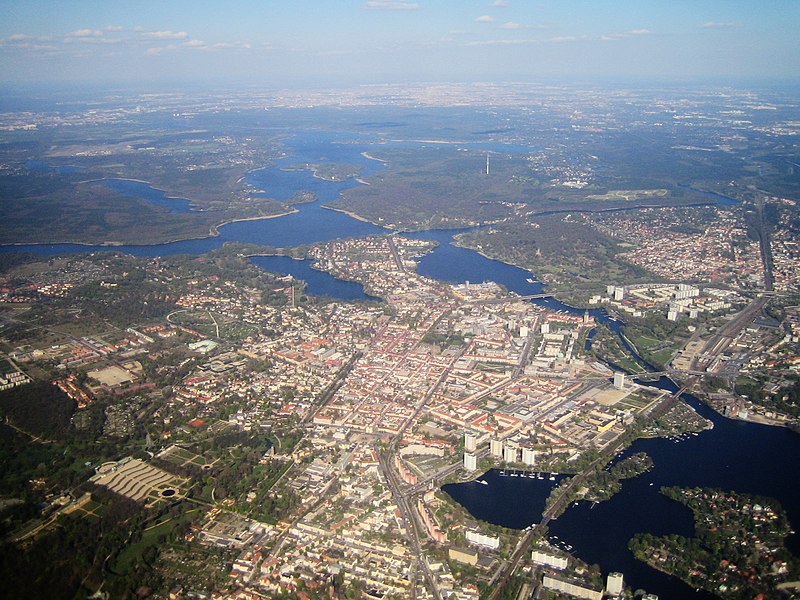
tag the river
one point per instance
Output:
(735, 455)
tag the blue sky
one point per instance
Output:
(327, 42)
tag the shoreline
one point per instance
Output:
(214, 229)
(368, 156)
(273, 254)
(355, 216)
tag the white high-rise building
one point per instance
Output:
(614, 584)
(619, 380)
(470, 461)
(470, 441)
(510, 452)
(496, 448)
(529, 456)
(619, 293)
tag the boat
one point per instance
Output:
(552, 477)
(482, 482)
(529, 280)
(540, 476)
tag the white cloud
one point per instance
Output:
(390, 5)
(485, 19)
(612, 37)
(23, 41)
(513, 25)
(560, 39)
(165, 35)
(80, 33)
(500, 3)
(503, 42)
(719, 25)
(194, 44)
(156, 50)
(235, 45)
(115, 28)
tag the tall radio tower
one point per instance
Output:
(487, 163)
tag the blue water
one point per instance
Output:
(717, 198)
(144, 191)
(457, 265)
(317, 282)
(522, 498)
(734, 455)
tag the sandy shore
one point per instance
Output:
(214, 230)
(299, 258)
(370, 157)
(354, 216)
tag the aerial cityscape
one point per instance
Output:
(389, 300)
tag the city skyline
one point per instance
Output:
(357, 41)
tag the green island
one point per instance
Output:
(737, 551)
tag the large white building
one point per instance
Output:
(619, 380)
(480, 539)
(550, 560)
(496, 448)
(529, 456)
(510, 452)
(614, 584)
(470, 441)
(470, 461)
(571, 587)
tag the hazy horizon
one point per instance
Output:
(354, 42)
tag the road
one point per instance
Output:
(406, 505)
(398, 261)
(526, 352)
(332, 388)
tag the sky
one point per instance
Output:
(319, 43)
